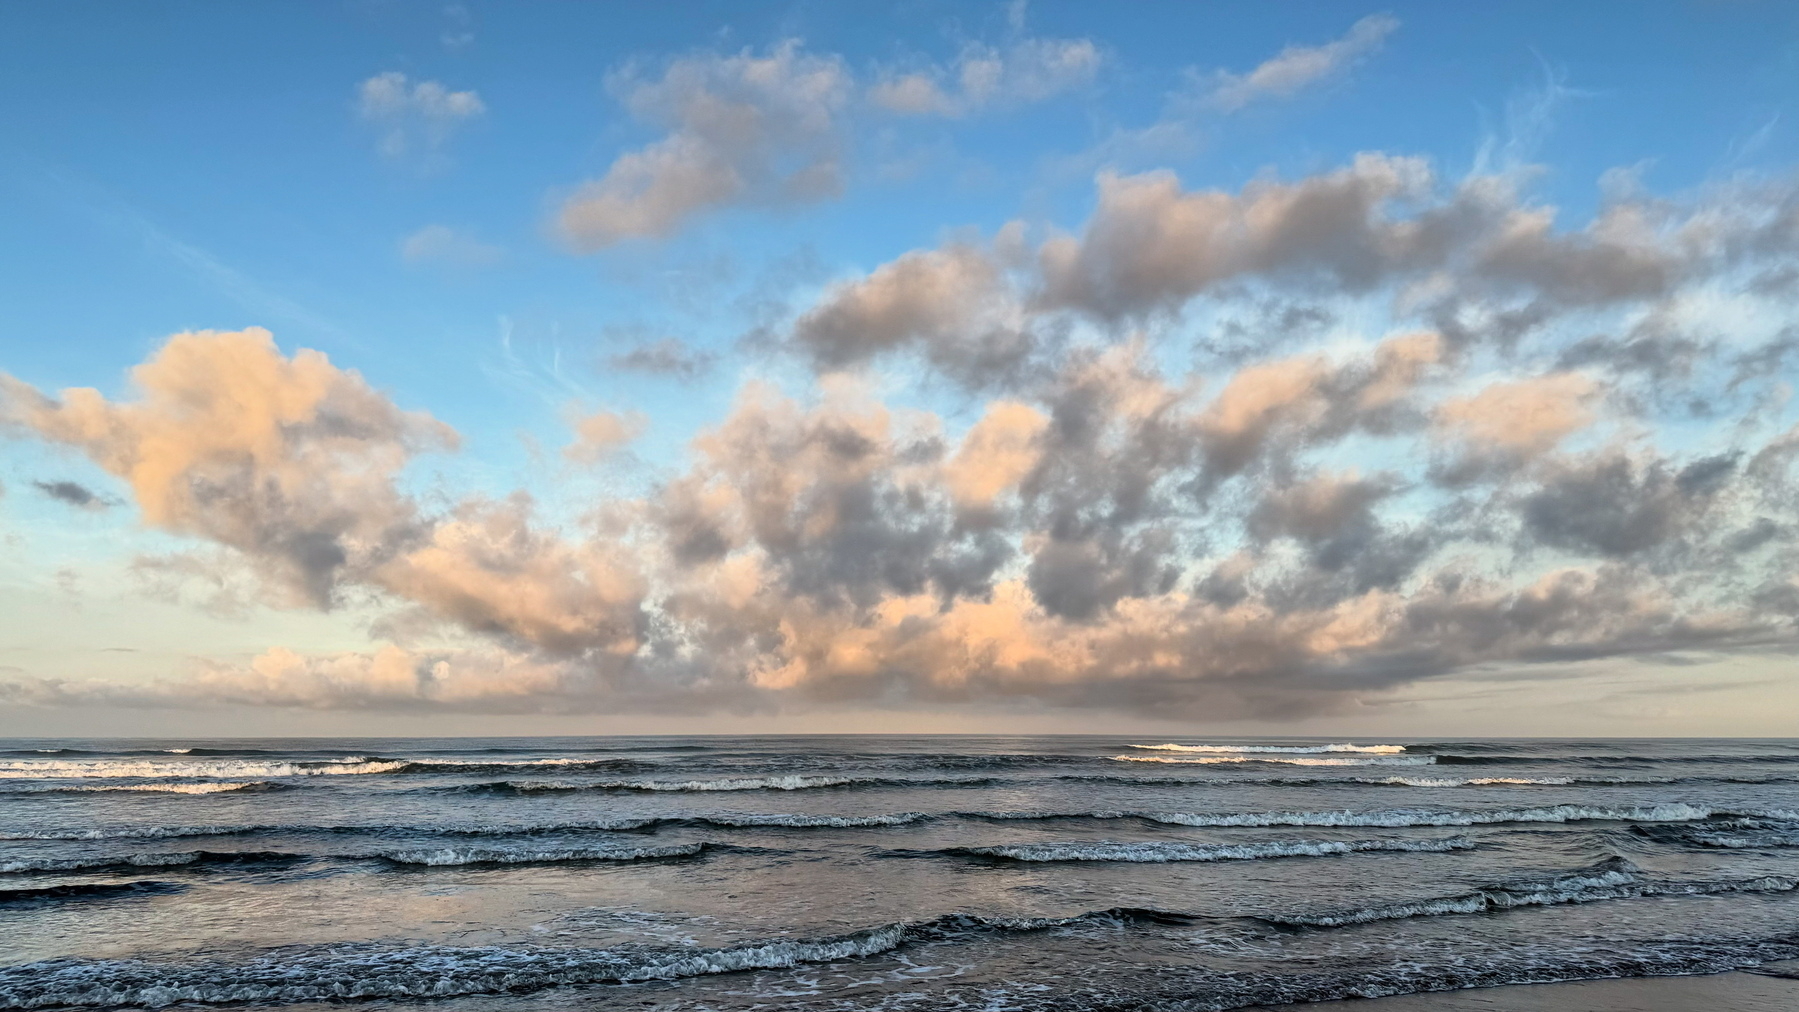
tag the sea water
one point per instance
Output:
(912, 873)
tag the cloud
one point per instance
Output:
(669, 356)
(441, 244)
(741, 130)
(983, 77)
(290, 461)
(1117, 515)
(414, 117)
(1527, 415)
(951, 301)
(602, 433)
(73, 494)
(1296, 68)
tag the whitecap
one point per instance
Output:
(1294, 749)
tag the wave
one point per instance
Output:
(1390, 818)
(189, 769)
(720, 820)
(82, 891)
(1478, 781)
(1162, 852)
(1459, 759)
(459, 764)
(781, 783)
(1218, 760)
(126, 862)
(1407, 817)
(205, 787)
(1613, 879)
(1295, 749)
(455, 856)
(440, 971)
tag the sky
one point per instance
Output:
(380, 367)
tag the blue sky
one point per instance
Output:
(170, 168)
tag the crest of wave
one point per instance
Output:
(1294, 749)
(185, 769)
(1291, 760)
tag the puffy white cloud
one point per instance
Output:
(601, 433)
(742, 129)
(290, 461)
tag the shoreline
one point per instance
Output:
(1773, 988)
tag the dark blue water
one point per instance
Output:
(906, 873)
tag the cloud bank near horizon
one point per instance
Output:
(1568, 444)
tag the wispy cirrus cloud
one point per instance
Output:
(1297, 67)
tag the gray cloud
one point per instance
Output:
(667, 357)
(743, 129)
(72, 493)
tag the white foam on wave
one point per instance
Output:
(779, 820)
(1160, 853)
(1291, 760)
(186, 769)
(1609, 881)
(215, 787)
(786, 783)
(1473, 781)
(1293, 749)
(503, 763)
(1404, 817)
(452, 856)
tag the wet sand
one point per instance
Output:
(1723, 992)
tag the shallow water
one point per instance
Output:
(915, 873)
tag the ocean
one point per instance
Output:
(914, 873)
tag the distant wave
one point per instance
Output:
(205, 787)
(1164, 852)
(1610, 880)
(188, 769)
(773, 783)
(721, 820)
(1388, 818)
(1294, 749)
(1213, 760)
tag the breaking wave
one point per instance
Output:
(1291, 760)
(1161, 852)
(1613, 879)
(1404, 817)
(190, 769)
(453, 856)
(1293, 749)
(206, 787)
(374, 971)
